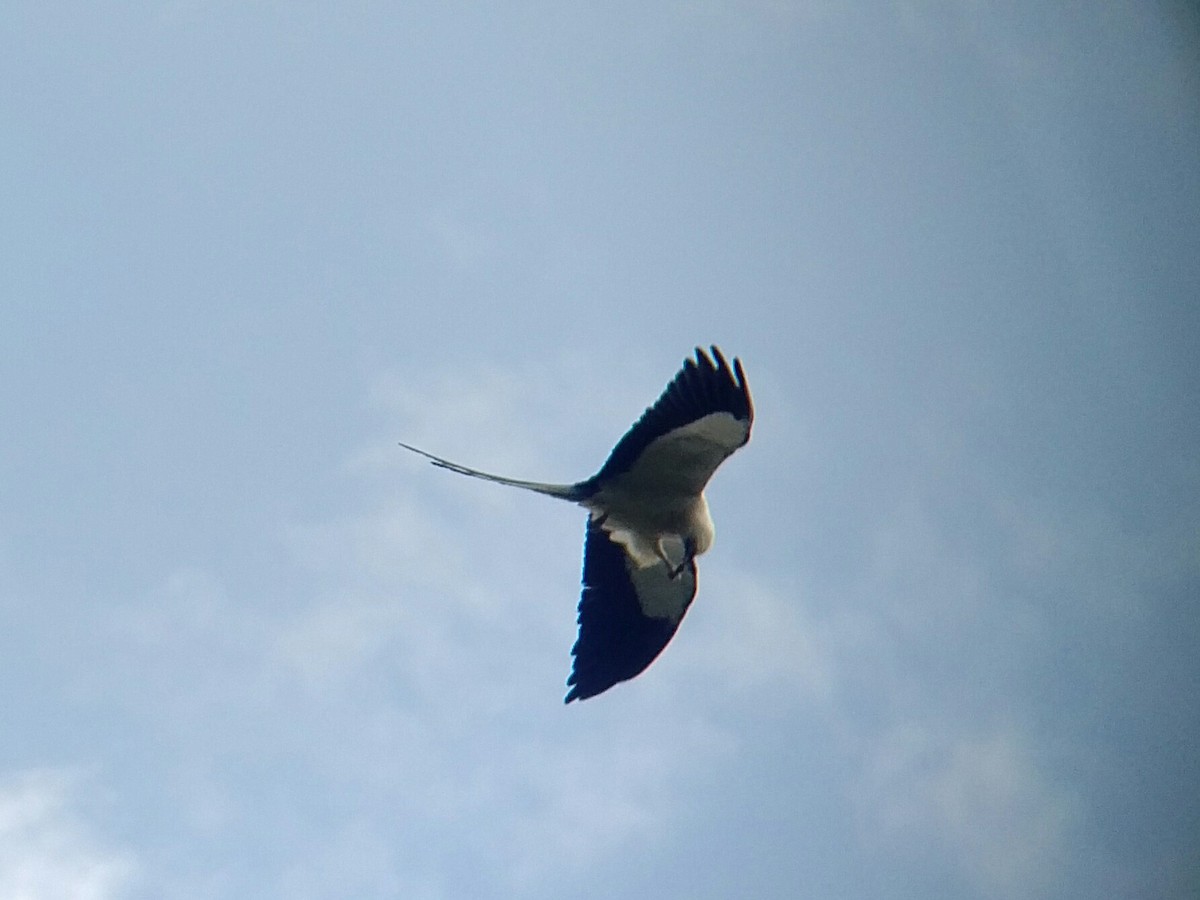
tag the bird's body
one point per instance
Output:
(648, 519)
(642, 521)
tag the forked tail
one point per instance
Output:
(571, 492)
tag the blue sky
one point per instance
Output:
(945, 642)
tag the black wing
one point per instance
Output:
(626, 615)
(702, 387)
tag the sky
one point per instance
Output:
(945, 642)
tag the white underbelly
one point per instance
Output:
(642, 522)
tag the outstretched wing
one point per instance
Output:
(627, 615)
(703, 416)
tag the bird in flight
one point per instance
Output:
(647, 519)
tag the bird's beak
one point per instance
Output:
(689, 554)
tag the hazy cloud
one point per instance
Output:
(47, 850)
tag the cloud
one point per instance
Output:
(746, 635)
(394, 707)
(977, 798)
(393, 719)
(528, 420)
(47, 851)
(752, 647)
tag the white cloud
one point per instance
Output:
(748, 635)
(531, 421)
(47, 852)
(414, 680)
(925, 664)
(978, 798)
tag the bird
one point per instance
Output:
(648, 519)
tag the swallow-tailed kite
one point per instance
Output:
(648, 519)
